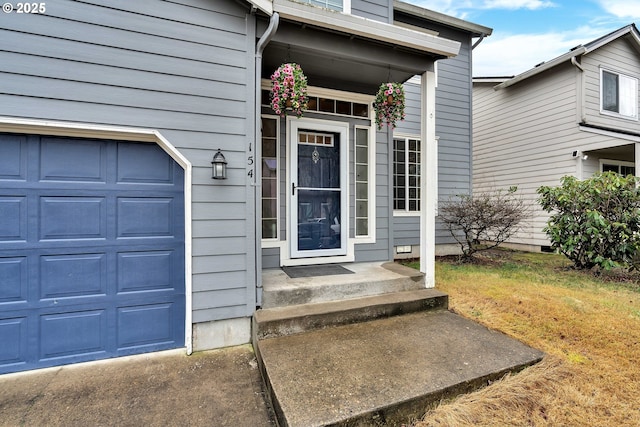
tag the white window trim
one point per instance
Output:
(615, 162)
(406, 136)
(371, 237)
(273, 243)
(613, 113)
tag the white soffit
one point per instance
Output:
(364, 27)
(264, 5)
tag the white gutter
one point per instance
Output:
(366, 28)
(257, 153)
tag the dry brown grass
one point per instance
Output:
(589, 328)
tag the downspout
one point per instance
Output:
(580, 101)
(580, 89)
(257, 182)
(482, 36)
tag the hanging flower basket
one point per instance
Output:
(389, 104)
(289, 90)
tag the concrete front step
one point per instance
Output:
(369, 278)
(383, 371)
(280, 321)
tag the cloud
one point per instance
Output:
(511, 54)
(621, 8)
(457, 8)
(461, 8)
(516, 4)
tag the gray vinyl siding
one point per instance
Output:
(183, 68)
(524, 136)
(378, 10)
(453, 128)
(618, 56)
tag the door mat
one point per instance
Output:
(315, 270)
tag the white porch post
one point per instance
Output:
(428, 177)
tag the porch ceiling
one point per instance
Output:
(343, 61)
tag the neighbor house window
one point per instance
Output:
(619, 94)
(406, 175)
(269, 178)
(623, 168)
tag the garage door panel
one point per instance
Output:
(13, 280)
(147, 270)
(13, 336)
(72, 160)
(91, 250)
(145, 217)
(73, 334)
(13, 158)
(65, 276)
(145, 325)
(70, 218)
(13, 214)
(157, 168)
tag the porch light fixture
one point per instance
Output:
(219, 166)
(579, 154)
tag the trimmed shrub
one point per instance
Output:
(595, 222)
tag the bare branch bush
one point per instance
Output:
(483, 221)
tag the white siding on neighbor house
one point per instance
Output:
(183, 68)
(619, 56)
(523, 136)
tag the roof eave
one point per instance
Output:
(264, 5)
(476, 30)
(366, 28)
(543, 67)
(629, 29)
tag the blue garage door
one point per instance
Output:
(91, 250)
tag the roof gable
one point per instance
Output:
(629, 31)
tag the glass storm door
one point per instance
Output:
(318, 196)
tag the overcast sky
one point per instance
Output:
(527, 32)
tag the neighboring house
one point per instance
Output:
(574, 115)
(115, 240)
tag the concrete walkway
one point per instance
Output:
(364, 374)
(214, 388)
(385, 371)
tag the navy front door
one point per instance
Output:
(91, 250)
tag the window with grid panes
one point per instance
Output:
(362, 182)
(623, 168)
(406, 174)
(269, 178)
(338, 5)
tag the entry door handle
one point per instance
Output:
(293, 188)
